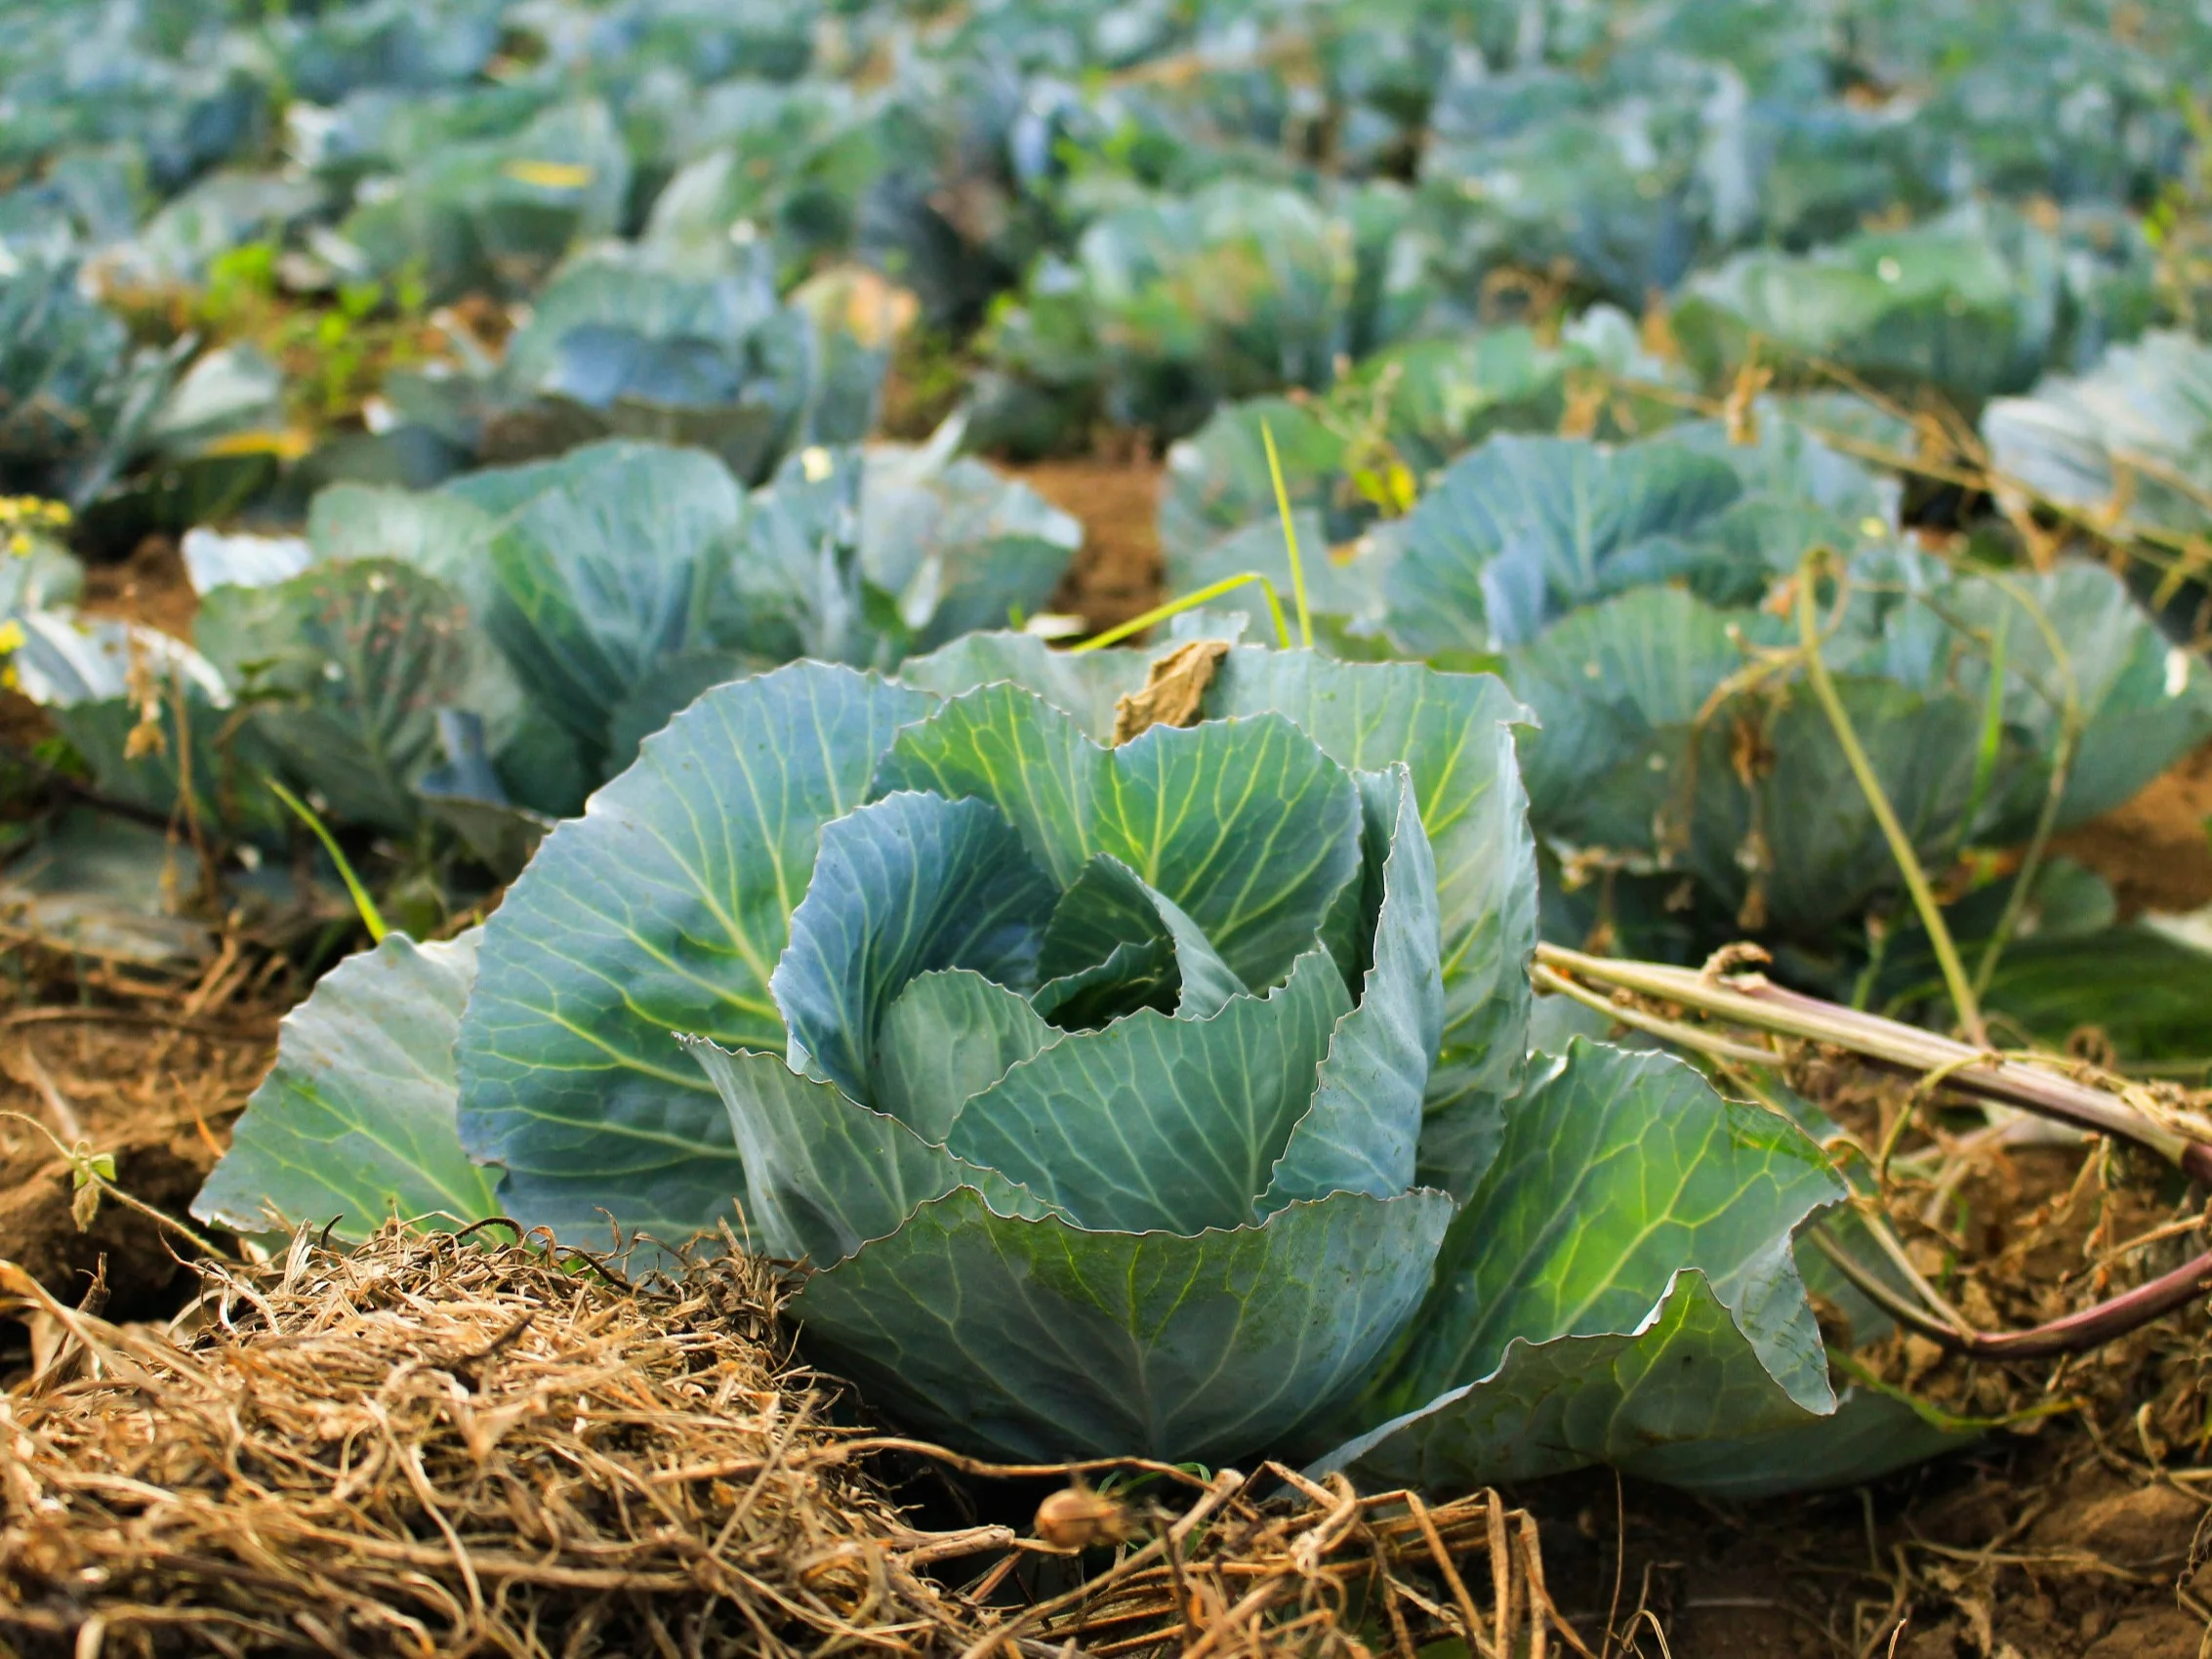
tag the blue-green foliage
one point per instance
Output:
(484, 654)
(1169, 1097)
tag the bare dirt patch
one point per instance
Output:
(2157, 851)
(1117, 573)
(150, 587)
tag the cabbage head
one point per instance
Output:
(1088, 1046)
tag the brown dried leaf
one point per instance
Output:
(1172, 691)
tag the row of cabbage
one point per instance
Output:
(451, 670)
(1639, 594)
(1147, 208)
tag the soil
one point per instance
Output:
(151, 587)
(2157, 851)
(2032, 1551)
(1117, 574)
(153, 1088)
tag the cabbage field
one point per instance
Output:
(1621, 879)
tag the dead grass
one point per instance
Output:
(436, 1445)
(455, 1446)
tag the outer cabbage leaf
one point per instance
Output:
(1759, 802)
(1667, 1401)
(527, 758)
(2142, 702)
(45, 576)
(1085, 684)
(355, 1124)
(345, 667)
(1974, 303)
(1622, 1279)
(75, 399)
(665, 690)
(1540, 165)
(1414, 407)
(1446, 393)
(1170, 304)
(1344, 584)
(66, 660)
(213, 559)
(602, 570)
(664, 908)
(1165, 1346)
(628, 346)
(1526, 528)
(866, 556)
(82, 671)
(2143, 986)
(1219, 481)
(1802, 839)
(440, 533)
(1616, 688)
(1798, 494)
(498, 213)
(105, 885)
(233, 395)
(793, 160)
(2127, 438)
(1872, 1432)
(955, 545)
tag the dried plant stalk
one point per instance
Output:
(1326, 1572)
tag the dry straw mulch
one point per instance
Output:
(435, 1445)
(441, 1445)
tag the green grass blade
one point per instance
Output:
(371, 917)
(1191, 602)
(1290, 537)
